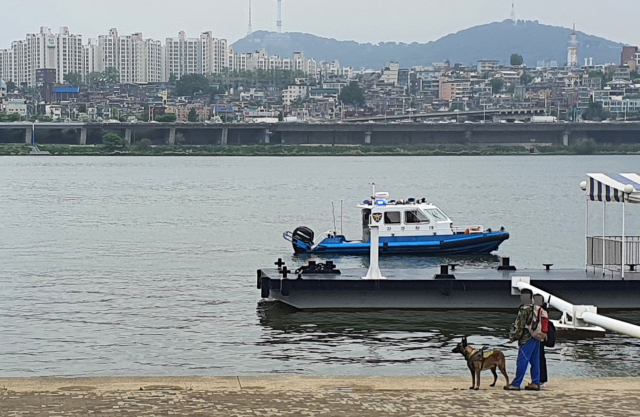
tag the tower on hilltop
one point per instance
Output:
(250, 29)
(572, 54)
(513, 12)
(279, 21)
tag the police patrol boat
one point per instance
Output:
(411, 226)
(609, 278)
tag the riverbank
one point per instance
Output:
(329, 396)
(325, 150)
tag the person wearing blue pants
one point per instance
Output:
(529, 351)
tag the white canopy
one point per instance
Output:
(614, 187)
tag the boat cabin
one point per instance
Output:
(407, 218)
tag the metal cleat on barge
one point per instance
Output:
(411, 226)
(610, 278)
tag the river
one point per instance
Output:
(146, 265)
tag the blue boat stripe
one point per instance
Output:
(591, 187)
(607, 193)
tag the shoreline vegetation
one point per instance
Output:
(586, 148)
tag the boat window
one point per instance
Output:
(392, 217)
(437, 214)
(415, 216)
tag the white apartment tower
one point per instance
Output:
(204, 55)
(62, 51)
(137, 60)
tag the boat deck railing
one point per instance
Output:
(606, 252)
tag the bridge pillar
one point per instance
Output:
(83, 136)
(172, 136)
(267, 136)
(467, 136)
(565, 138)
(367, 138)
(225, 136)
(28, 136)
(127, 136)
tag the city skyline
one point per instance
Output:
(414, 21)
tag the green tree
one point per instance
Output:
(11, 86)
(352, 94)
(143, 145)
(111, 75)
(635, 74)
(172, 79)
(496, 85)
(193, 115)
(14, 117)
(82, 108)
(167, 118)
(74, 79)
(595, 111)
(94, 77)
(192, 83)
(112, 142)
(516, 60)
(526, 78)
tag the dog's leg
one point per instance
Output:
(478, 372)
(495, 375)
(503, 370)
(473, 379)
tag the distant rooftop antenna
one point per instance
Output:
(513, 12)
(250, 30)
(279, 21)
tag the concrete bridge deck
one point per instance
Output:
(326, 134)
(313, 396)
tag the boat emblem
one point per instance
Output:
(377, 217)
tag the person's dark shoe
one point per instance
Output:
(511, 388)
(532, 387)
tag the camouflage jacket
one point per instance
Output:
(519, 329)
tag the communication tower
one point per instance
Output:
(279, 21)
(572, 54)
(513, 12)
(250, 29)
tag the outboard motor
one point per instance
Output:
(302, 239)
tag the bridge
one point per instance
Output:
(380, 134)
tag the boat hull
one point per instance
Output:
(436, 245)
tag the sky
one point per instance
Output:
(360, 20)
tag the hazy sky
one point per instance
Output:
(360, 20)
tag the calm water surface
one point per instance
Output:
(146, 266)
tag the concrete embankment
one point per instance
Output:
(329, 396)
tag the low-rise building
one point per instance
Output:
(294, 92)
(488, 65)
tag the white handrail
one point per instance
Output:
(580, 312)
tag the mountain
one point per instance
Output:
(534, 41)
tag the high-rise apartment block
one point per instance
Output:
(137, 60)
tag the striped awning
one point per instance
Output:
(611, 187)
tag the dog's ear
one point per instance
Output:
(464, 340)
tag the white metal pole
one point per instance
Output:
(624, 243)
(374, 248)
(586, 237)
(604, 227)
(341, 216)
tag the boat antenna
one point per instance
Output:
(341, 216)
(333, 209)
(373, 190)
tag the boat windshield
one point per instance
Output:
(415, 216)
(437, 214)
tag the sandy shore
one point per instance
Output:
(329, 396)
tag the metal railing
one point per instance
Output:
(610, 247)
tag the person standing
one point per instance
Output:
(529, 347)
(538, 300)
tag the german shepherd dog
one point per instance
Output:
(478, 361)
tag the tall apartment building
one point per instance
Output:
(61, 51)
(137, 60)
(203, 55)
